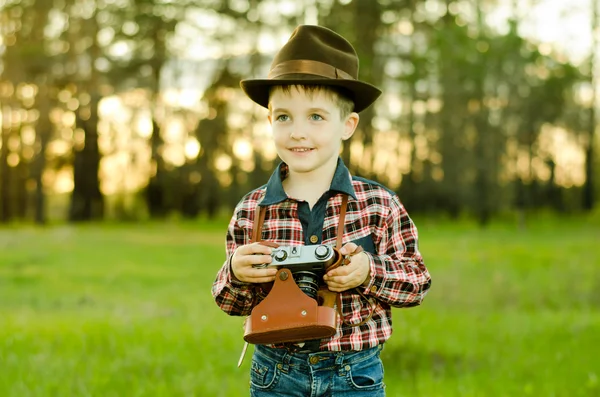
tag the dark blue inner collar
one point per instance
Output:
(341, 182)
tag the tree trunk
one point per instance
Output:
(13, 74)
(41, 73)
(5, 170)
(484, 161)
(588, 187)
(452, 118)
(156, 193)
(87, 202)
(360, 23)
(43, 131)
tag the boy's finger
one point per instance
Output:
(257, 259)
(262, 273)
(263, 280)
(337, 279)
(254, 275)
(255, 248)
(342, 270)
(348, 248)
(258, 248)
(336, 287)
(332, 273)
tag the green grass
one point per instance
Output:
(126, 310)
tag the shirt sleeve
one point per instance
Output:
(234, 297)
(399, 276)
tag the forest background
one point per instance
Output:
(129, 110)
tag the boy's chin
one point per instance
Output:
(300, 165)
(302, 169)
(305, 167)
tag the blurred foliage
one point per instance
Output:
(138, 101)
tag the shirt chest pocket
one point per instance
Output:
(366, 243)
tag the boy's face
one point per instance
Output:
(308, 129)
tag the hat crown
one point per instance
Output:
(317, 43)
(314, 55)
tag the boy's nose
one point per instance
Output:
(299, 132)
(296, 135)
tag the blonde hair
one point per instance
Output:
(336, 94)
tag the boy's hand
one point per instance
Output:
(356, 273)
(245, 257)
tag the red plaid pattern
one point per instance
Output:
(399, 277)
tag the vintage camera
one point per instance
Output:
(298, 306)
(306, 262)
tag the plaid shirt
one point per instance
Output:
(375, 220)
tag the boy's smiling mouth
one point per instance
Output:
(301, 149)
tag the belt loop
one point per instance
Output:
(285, 361)
(340, 366)
(339, 358)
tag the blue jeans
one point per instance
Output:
(277, 372)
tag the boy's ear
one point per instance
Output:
(350, 125)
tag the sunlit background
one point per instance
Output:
(122, 108)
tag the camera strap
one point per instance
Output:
(258, 224)
(341, 222)
(260, 219)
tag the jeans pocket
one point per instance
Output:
(366, 375)
(263, 373)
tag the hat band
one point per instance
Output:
(305, 66)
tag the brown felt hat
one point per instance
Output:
(319, 56)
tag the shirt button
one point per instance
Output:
(313, 360)
(373, 289)
(314, 239)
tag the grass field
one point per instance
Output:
(126, 310)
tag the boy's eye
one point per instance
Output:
(315, 117)
(282, 117)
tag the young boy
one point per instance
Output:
(313, 96)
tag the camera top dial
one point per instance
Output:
(280, 255)
(322, 252)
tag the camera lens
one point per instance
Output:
(308, 282)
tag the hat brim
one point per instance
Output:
(364, 94)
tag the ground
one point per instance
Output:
(126, 310)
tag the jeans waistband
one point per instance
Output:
(340, 357)
(307, 347)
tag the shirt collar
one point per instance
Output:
(341, 182)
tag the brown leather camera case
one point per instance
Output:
(287, 314)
